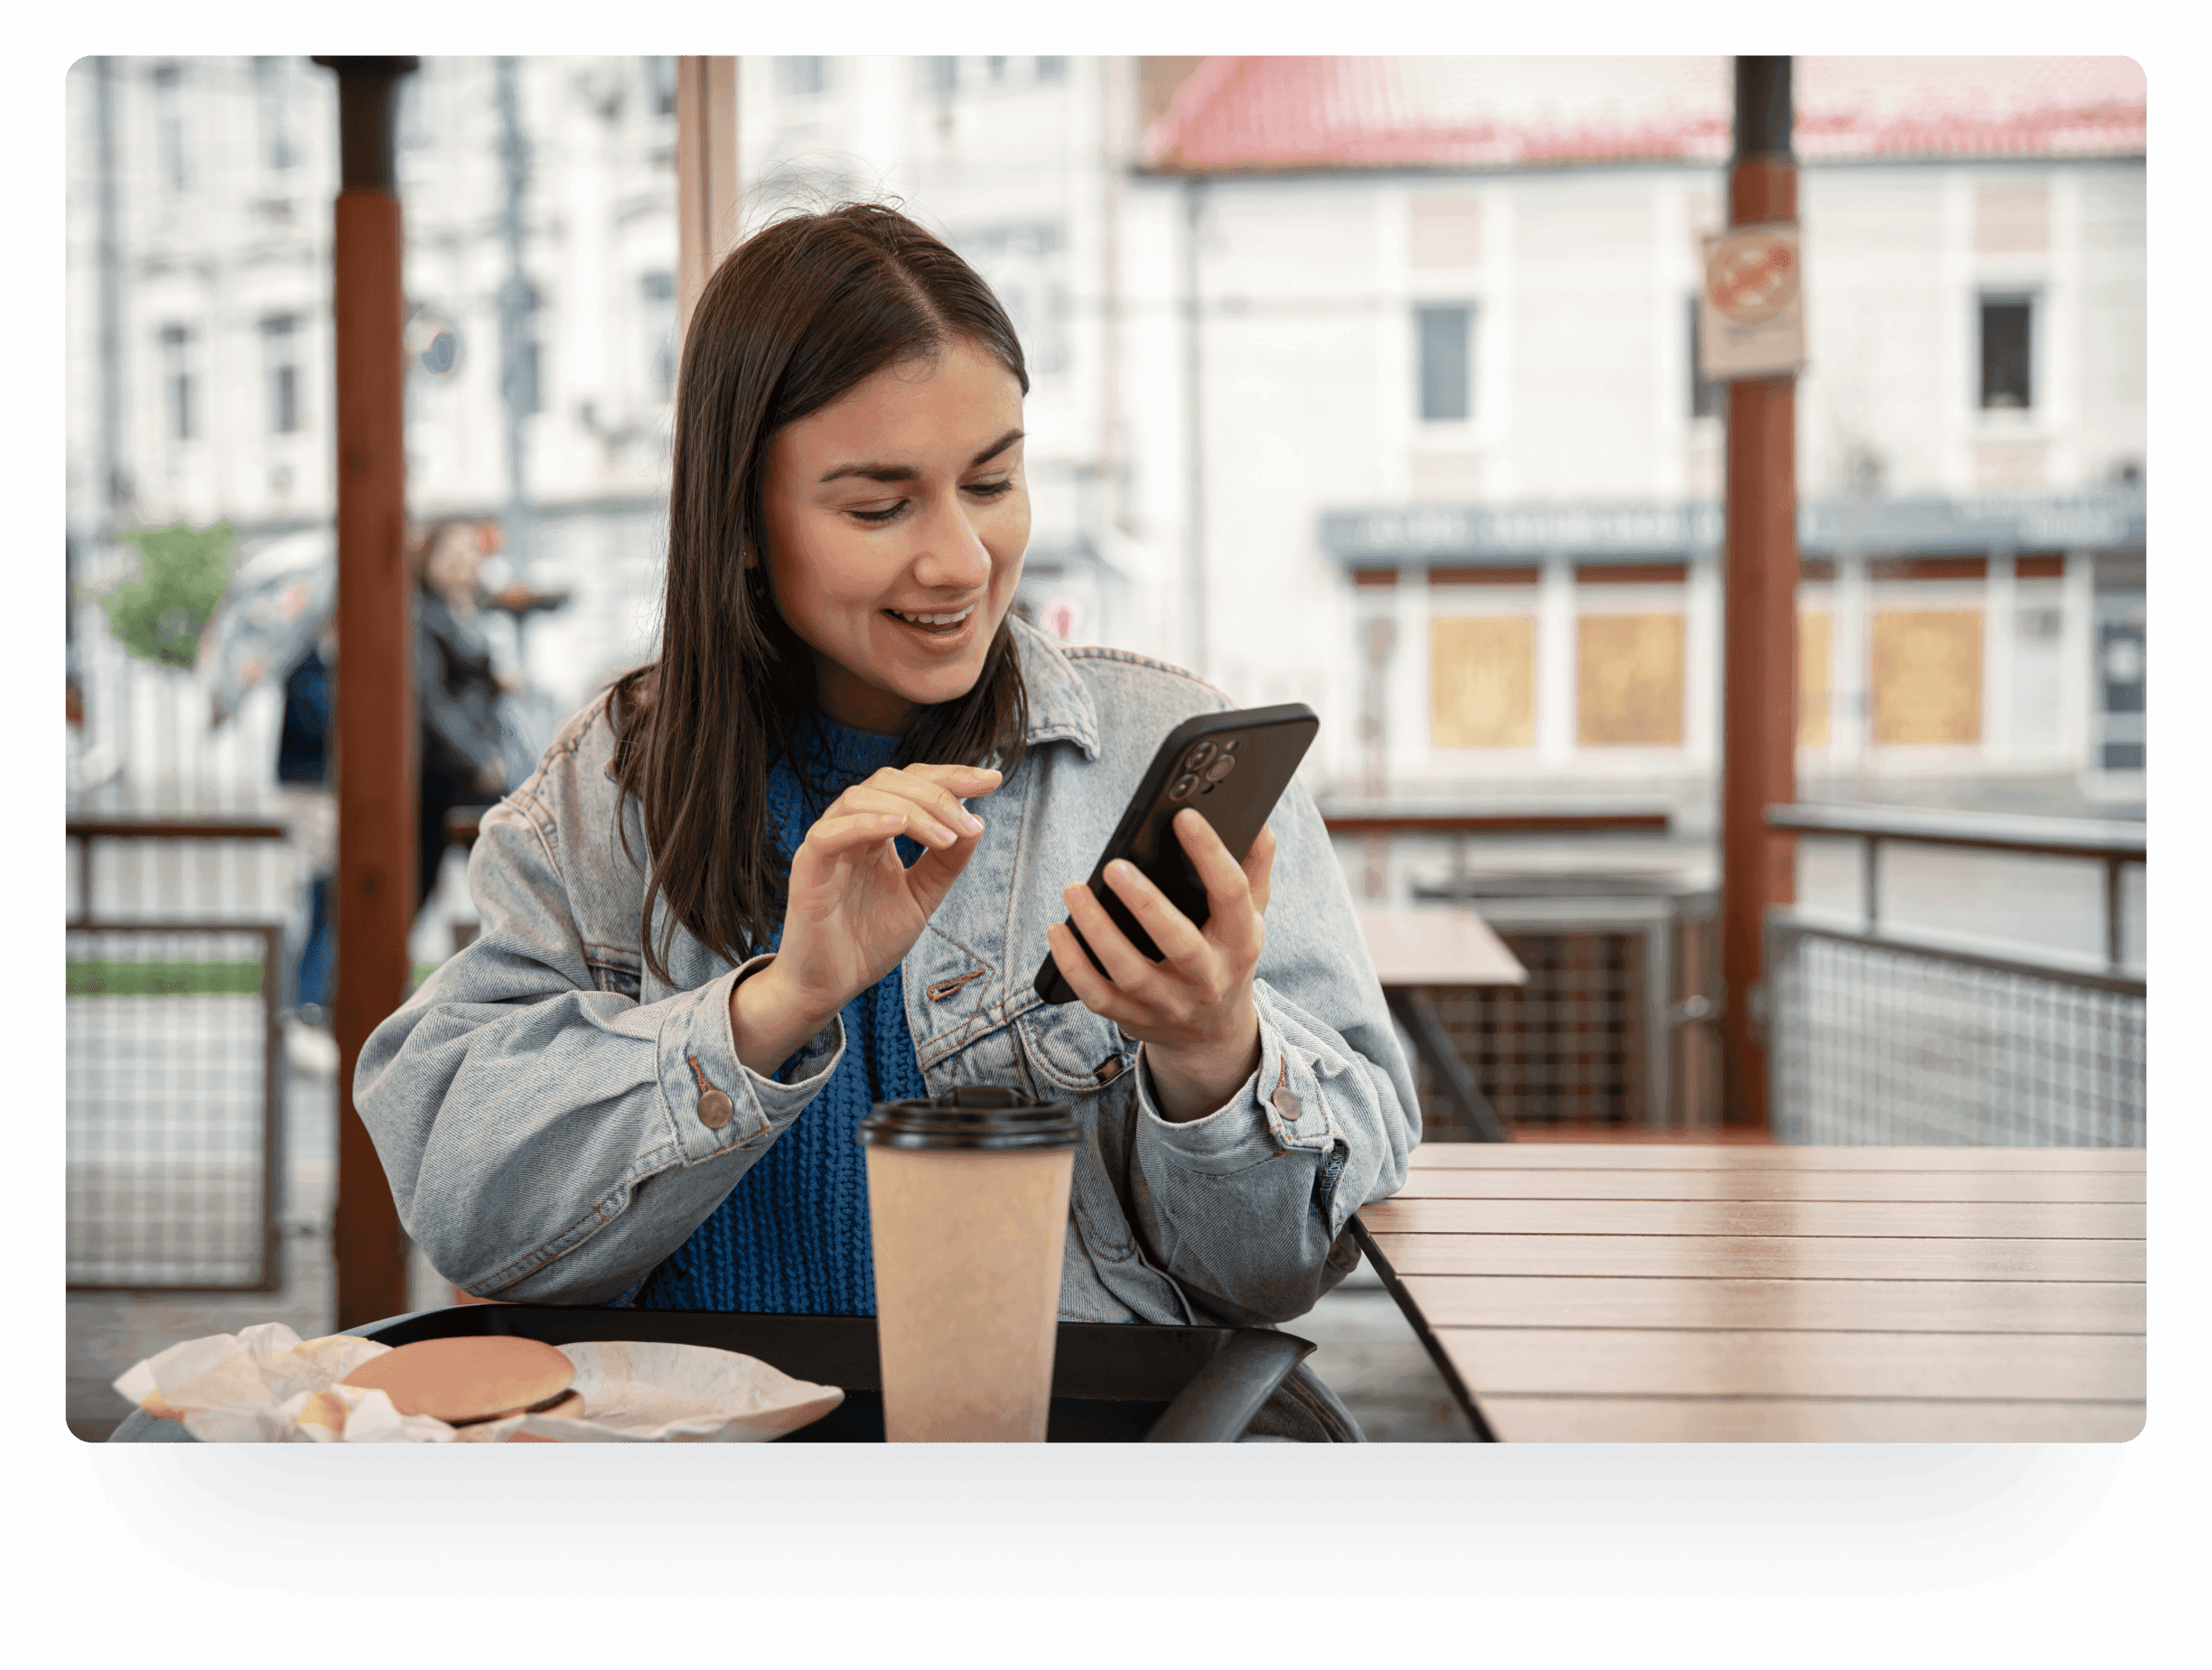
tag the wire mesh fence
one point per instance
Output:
(172, 1145)
(1571, 1047)
(1874, 1042)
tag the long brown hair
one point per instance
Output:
(796, 314)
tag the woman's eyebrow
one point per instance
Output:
(995, 448)
(908, 472)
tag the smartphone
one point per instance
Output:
(1232, 767)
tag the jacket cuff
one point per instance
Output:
(1276, 1110)
(714, 1102)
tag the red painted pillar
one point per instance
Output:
(375, 685)
(1759, 680)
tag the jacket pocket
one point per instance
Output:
(613, 971)
(1069, 1050)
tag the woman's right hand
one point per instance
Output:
(855, 907)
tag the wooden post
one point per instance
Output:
(375, 685)
(705, 174)
(1759, 683)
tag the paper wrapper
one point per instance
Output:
(267, 1386)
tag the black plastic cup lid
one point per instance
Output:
(972, 1117)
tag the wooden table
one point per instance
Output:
(1440, 946)
(1700, 1292)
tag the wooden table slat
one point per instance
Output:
(1481, 1183)
(1863, 1257)
(1773, 1363)
(1717, 1157)
(1975, 1220)
(1665, 1421)
(1711, 1292)
(1679, 1301)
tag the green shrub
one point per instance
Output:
(182, 574)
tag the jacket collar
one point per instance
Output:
(1060, 708)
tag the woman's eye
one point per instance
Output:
(992, 490)
(881, 516)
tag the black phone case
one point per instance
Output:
(1267, 744)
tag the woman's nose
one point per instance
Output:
(952, 554)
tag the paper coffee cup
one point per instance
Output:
(968, 1205)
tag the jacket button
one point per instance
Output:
(1288, 1104)
(715, 1110)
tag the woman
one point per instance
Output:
(744, 896)
(456, 693)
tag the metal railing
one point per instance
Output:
(2113, 846)
(1876, 1035)
(1585, 1041)
(174, 1034)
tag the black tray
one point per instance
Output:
(1112, 1382)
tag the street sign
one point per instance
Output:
(1751, 309)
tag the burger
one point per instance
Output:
(466, 1382)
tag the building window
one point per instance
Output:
(1815, 676)
(945, 76)
(803, 78)
(411, 115)
(2006, 383)
(1924, 668)
(660, 80)
(1707, 398)
(1052, 68)
(280, 357)
(169, 126)
(657, 291)
(278, 153)
(1482, 681)
(1446, 351)
(1628, 680)
(995, 69)
(1026, 266)
(180, 386)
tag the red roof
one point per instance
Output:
(1256, 113)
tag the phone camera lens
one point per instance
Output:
(1221, 768)
(1198, 756)
(1232, 745)
(1183, 786)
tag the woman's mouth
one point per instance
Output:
(940, 623)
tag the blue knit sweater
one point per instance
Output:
(792, 1236)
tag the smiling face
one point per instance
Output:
(897, 517)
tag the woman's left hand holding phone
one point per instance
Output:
(855, 907)
(1193, 1012)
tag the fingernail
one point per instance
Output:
(973, 823)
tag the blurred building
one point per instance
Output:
(540, 204)
(1368, 382)
(539, 197)
(1448, 380)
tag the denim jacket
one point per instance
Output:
(537, 1103)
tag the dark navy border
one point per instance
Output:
(1109, 1520)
